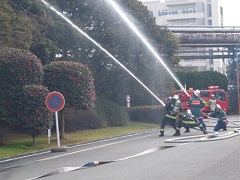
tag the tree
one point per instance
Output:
(16, 27)
(113, 34)
(23, 103)
(74, 81)
(51, 35)
(32, 22)
(201, 80)
(34, 116)
(17, 68)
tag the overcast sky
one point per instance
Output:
(231, 12)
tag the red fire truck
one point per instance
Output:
(220, 95)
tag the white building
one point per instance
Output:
(190, 12)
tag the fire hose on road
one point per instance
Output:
(212, 136)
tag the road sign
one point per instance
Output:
(128, 98)
(55, 101)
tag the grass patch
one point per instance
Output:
(16, 144)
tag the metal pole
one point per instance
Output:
(57, 128)
(236, 55)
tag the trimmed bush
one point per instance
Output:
(106, 113)
(17, 68)
(74, 81)
(34, 116)
(82, 119)
(113, 114)
(147, 114)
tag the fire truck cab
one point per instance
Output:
(220, 95)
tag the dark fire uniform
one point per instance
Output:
(172, 111)
(187, 120)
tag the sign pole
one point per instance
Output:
(55, 102)
(49, 135)
(57, 128)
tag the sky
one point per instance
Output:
(231, 12)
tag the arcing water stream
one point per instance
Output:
(88, 37)
(137, 32)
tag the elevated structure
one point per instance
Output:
(178, 13)
(227, 42)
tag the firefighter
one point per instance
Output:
(196, 104)
(222, 118)
(187, 120)
(172, 107)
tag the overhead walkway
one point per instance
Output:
(223, 38)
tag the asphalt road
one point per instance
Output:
(138, 156)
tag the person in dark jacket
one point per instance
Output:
(172, 107)
(222, 118)
(196, 104)
(188, 121)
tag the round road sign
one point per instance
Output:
(55, 101)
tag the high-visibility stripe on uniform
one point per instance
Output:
(172, 117)
(188, 122)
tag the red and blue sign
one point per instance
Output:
(55, 101)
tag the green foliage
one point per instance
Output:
(149, 114)
(74, 81)
(112, 33)
(17, 68)
(106, 113)
(16, 28)
(113, 114)
(82, 119)
(33, 114)
(29, 24)
(201, 80)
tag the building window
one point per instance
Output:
(209, 10)
(185, 11)
(209, 22)
(163, 12)
(151, 13)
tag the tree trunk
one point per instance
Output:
(62, 131)
(34, 139)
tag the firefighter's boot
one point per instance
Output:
(225, 128)
(187, 130)
(177, 133)
(203, 130)
(161, 133)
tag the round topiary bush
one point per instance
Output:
(73, 80)
(17, 68)
(34, 116)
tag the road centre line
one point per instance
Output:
(45, 159)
